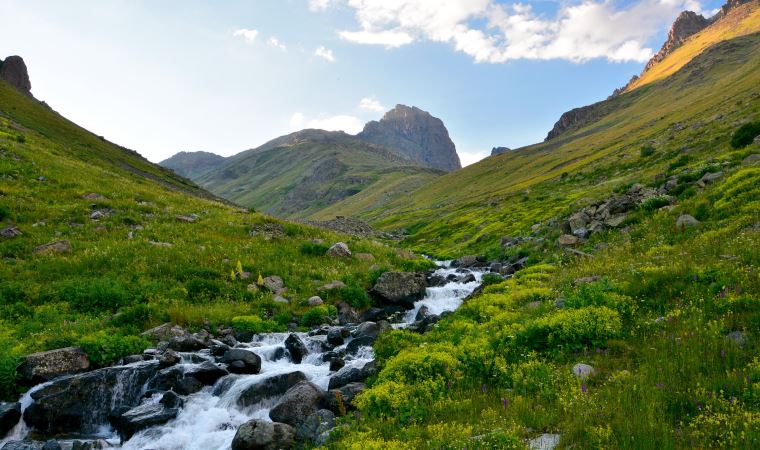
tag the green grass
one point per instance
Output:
(137, 266)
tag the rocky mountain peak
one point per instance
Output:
(415, 134)
(13, 71)
(687, 24)
(499, 150)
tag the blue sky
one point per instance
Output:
(162, 77)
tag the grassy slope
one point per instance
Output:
(688, 116)
(739, 22)
(120, 285)
(654, 326)
(283, 180)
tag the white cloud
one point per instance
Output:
(319, 5)
(247, 34)
(371, 104)
(325, 53)
(494, 32)
(341, 122)
(471, 157)
(274, 42)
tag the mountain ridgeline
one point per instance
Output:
(302, 174)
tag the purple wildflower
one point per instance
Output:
(584, 388)
(505, 402)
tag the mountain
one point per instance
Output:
(300, 174)
(193, 164)
(499, 150)
(415, 134)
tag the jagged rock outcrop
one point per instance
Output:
(687, 24)
(13, 71)
(576, 117)
(499, 150)
(416, 134)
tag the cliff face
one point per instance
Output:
(13, 71)
(687, 23)
(415, 134)
(575, 118)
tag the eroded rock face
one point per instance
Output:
(415, 134)
(13, 71)
(687, 24)
(499, 150)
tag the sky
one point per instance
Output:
(166, 76)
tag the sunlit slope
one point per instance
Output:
(742, 20)
(687, 118)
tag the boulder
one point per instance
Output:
(616, 220)
(752, 159)
(686, 221)
(10, 232)
(351, 374)
(169, 358)
(709, 178)
(335, 336)
(53, 247)
(173, 378)
(315, 301)
(347, 314)
(187, 219)
(583, 371)
(10, 413)
(335, 284)
(23, 445)
(45, 366)
(339, 250)
(402, 288)
(81, 403)
(339, 400)
(545, 441)
(296, 348)
(316, 425)
(13, 71)
(436, 280)
(206, 372)
(578, 221)
(298, 403)
(51, 444)
(186, 343)
(367, 329)
(274, 284)
(357, 343)
(336, 364)
(467, 278)
(260, 434)
(240, 360)
(142, 417)
(568, 239)
(164, 332)
(423, 312)
(269, 387)
(466, 261)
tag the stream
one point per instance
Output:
(209, 418)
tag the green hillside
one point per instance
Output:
(662, 314)
(299, 175)
(137, 250)
(686, 119)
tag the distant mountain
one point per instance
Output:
(193, 164)
(415, 134)
(499, 150)
(300, 174)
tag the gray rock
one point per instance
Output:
(544, 442)
(402, 288)
(187, 343)
(269, 387)
(274, 284)
(206, 372)
(568, 239)
(335, 336)
(422, 313)
(615, 220)
(45, 366)
(351, 374)
(367, 329)
(339, 400)
(23, 445)
(315, 425)
(752, 159)
(53, 247)
(260, 434)
(339, 250)
(296, 348)
(709, 178)
(10, 232)
(738, 338)
(142, 417)
(315, 301)
(10, 413)
(335, 284)
(298, 403)
(169, 358)
(353, 347)
(13, 71)
(686, 221)
(51, 444)
(583, 371)
(242, 361)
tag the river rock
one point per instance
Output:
(402, 288)
(173, 378)
(367, 329)
(51, 444)
(269, 387)
(339, 250)
(242, 361)
(23, 445)
(340, 400)
(335, 336)
(351, 374)
(10, 413)
(53, 247)
(260, 434)
(206, 372)
(169, 358)
(316, 425)
(81, 403)
(423, 312)
(45, 366)
(347, 314)
(142, 417)
(187, 343)
(353, 347)
(298, 403)
(686, 221)
(296, 348)
(336, 364)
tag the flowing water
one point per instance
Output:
(208, 421)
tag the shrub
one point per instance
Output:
(646, 151)
(745, 134)
(313, 249)
(138, 316)
(20, 138)
(415, 366)
(680, 162)
(318, 316)
(492, 278)
(572, 329)
(200, 289)
(355, 295)
(254, 324)
(537, 378)
(375, 274)
(93, 295)
(600, 294)
(9, 362)
(655, 203)
(104, 348)
(5, 212)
